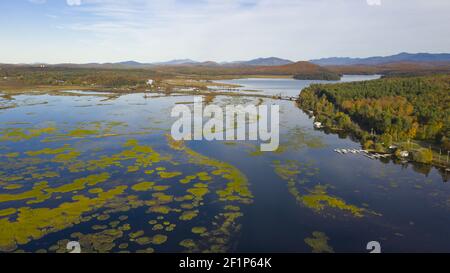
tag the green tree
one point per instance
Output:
(423, 156)
(368, 145)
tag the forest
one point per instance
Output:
(388, 112)
(122, 76)
(58, 76)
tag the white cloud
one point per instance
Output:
(73, 2)
(374, 2)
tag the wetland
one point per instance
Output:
(101, 168)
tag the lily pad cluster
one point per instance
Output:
(89, 196)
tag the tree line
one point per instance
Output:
(386, 111)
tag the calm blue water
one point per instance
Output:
(287, 87)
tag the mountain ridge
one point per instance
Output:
(379, 60)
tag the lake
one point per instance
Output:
(285, 86)
(103, 170)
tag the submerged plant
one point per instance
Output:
(319, 243)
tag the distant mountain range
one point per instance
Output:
(399, 58)
(177, 62)
(324, 69)
(271, 61)
(418, 58)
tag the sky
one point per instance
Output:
(84, 31)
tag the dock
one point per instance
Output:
(365, 153)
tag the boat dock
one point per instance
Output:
(365, 153)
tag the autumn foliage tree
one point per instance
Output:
(392, 109)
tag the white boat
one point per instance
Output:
(318, 125)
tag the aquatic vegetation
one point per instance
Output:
(218, 239)
(170, 227)
(132, 169)
(12, 155)
(103, 217)
(36, 194)
(101, 242)
(99, 227)
(44, 175)
(158, 227)
(299, 138)
(169, 174)
(123, 246)
(159, 239)
(319, 243)
(188, 243)
(81, 183)
(199, 230)
(189, 215)
(218, 172)
(318, 200)
(35, 223)
(204, 177)
(143, 156)
(161, 188)
(66, 158)
(287, 171)
(143, 240)
(7, 212)
(188, 179)
(82, 133)
(96, 190)
(187, 206)
(143, 186)
(163, 198)
(13, 187)
(160, 209)
(232, 208)
(134, 235)
(198, 192)
(41, 191)
(114, 224)
(148, 250)
(75, 182)
(291, 169)
(19, 134)
(49, 151)
(235, 192)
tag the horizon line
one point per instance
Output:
(220, 62)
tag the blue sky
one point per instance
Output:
(57, 31)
